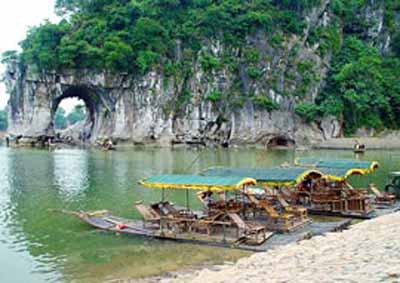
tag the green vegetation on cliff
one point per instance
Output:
(361, 87)
(131, 36)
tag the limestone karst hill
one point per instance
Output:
(207, 72)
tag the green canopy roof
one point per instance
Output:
(266, 176)
(338, 169)
(337, 163)
(196, 182)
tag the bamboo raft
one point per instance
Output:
(106, 221)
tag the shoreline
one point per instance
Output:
(366, 252)
(371, 143)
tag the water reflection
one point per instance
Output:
(17, 259)
(71, 173)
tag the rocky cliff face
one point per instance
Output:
(248, 101)
(144, 110)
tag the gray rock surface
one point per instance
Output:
(142, 111)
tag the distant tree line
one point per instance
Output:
(3, 120)
(63, 120)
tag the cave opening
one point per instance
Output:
(280, 142)
(73, 116)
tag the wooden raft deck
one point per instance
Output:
(347, 214)
(383, 210)
(312, 229)
(378, 211)
(109, 222)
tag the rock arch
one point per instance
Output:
(82, 92)
(35, 97)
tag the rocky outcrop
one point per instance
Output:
(142, 111)
(222, 97)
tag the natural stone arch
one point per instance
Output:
(86, 95)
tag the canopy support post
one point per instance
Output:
(223, 225)
(242, 200)
(187, 199)
(162, 218)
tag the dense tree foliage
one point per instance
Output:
(3, 120)
(77, 114)
(134, 36)
(60, 121)
(363, 87)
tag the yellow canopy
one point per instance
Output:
(339, 169)
(196, 182)
(265, 177)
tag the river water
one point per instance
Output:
(37, 245)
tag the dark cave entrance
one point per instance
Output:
(280, 142)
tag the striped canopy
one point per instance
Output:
(267, 176)
(196, 182)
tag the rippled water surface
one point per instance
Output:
(37, 245)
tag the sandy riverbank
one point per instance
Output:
(367, 252)
(390, 142)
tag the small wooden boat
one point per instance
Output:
(359, 148)
(106, 144)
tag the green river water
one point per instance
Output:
(37, 245)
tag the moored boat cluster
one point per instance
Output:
(246, 207)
